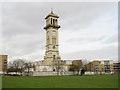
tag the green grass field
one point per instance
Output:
(87, 81)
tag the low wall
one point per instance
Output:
(51, 73)
(39, 73)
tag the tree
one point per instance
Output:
(16, 66)
(58, 64)
(77, 65)
(85, 65)
(84, 62)
(82, 71)
(29, 66)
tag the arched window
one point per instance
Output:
(53, 57)
(51, 21)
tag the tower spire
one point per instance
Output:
(51, 10)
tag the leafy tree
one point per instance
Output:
(77, 65)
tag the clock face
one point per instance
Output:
(54, 33)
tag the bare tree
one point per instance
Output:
(28, 67)
(86, 66)
(16, 66)
(58, 64)
(84, 62)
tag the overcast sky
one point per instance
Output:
(88, 30)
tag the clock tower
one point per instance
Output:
(52, 50)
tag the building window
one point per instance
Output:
(48, 40)
(51, 21)
(54, 47)
(5, 62)
(53, 57)
(56, 22)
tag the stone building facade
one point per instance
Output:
(3, 63)
(52, 60)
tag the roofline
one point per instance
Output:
(51, 15)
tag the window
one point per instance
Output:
(48, 40)
(54, 47)
(53, 57)
(51, 21)
(5, 60)
(54, 22)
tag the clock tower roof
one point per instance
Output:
(52, 15)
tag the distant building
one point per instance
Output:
(76, 65)
(107, 66)
(93, 66)
(3, 63)
(69, 62)
(97, 66)
(116, 67)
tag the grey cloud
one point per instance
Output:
(86, 14)
(112, 39)
(110, 52)
(23, 23)
(86, 39)
(24, 44)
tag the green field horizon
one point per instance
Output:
(86, 81)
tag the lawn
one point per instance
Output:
(87, 81)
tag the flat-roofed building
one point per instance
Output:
(107, 66)
(101, 66)
(116, 67)
(95, 66)
(3, 63)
